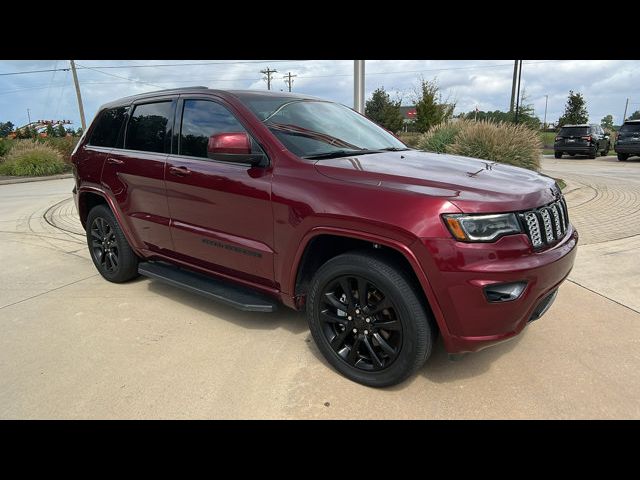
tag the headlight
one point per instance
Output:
(482, 228)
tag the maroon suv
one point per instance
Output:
(254, 198)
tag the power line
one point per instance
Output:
(252, 62)
(119, 76)
(34, 71)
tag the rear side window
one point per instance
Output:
(574, 131)
(147, 127)
(630, 127)
(200, 120)
(108, 125)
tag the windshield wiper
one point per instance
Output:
(395, 149)
(339, 153)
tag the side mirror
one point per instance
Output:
(234, 147)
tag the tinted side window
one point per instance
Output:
(108, 125)
(200, 120)
(147, 127)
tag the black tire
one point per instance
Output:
(571, 154)
(411, 337)
(109, 249)
(623, 156)
(557, 154)
(594, 154)
(605, 152)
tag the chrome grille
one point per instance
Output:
(546, 225)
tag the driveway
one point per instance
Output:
(75, 346)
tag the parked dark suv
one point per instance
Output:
(254, 198)
(628, 142)
(582, 140)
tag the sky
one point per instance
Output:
(485, 84)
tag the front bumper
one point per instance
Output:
(460, 271)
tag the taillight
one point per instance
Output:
(587, 138)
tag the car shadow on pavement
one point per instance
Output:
(282, 318)
(440, 369)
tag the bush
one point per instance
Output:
(31, 158)
(64, 145)
(5, 146)
(508, 143)
(409, 138)
(440, 136)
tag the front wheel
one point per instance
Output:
(623, 156)
(110, 251)
(594, 153)
(368, 320)
(557, 154)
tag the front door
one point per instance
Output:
(221, 216)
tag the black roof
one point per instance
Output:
(200, 89)
(633, 121)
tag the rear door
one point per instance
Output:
(220, 211)
(135, 172)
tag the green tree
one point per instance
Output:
(384, 111)
(5, 128)
(634, 116)
(59, 130)
(50, 131)
(575, 111)
(430, 110)
(607, 122)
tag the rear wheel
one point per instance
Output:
(594, 153)
(368, 320)
(557, 154)
(605, 152)
(110, 251)
(623, 156)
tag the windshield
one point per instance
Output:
(317, 129)
(573, 131)
(630, 127)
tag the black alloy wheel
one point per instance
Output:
(111, 253)
(360, 323)
(104, 246)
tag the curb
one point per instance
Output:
(9, 181)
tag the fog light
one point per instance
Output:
(504, 292)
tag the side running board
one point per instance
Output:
(236, 296)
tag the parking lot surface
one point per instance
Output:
(73, 345)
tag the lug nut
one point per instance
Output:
(366, 332)
(368, 320)
(357, 312)
(349, 317)
(355, 330)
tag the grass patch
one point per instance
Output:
(28, 158)
(500, 142)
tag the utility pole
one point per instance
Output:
(513, 85)
(80, 107)
(358, 86)
(624, 117)
(268, 72)
(29, 114)
(544, 123)
(518, 96)
(288, 79)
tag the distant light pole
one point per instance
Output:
(544, 123)
(358, 86)
(624, 117)
(29, 114)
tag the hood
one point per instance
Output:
(474, 186)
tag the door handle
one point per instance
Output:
(115, 161)
(179, 171)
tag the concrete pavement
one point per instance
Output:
(75, 346)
